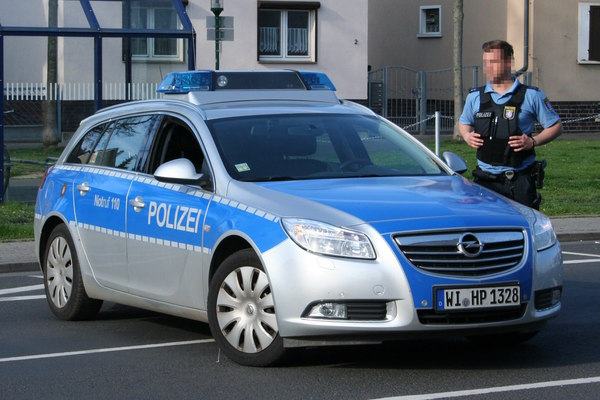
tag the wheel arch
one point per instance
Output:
(226, 247)
(51, 223)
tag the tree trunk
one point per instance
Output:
(49, 129)
(458, 71)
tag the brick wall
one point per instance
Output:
(571, 111)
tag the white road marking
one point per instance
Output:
(581, 254)
(21, 298)
(21, 289)
(597, 260)
(105, 350)
(592, 260)
(499, 389)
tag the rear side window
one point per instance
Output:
(126, 141)
(120, 145)
(81, 153)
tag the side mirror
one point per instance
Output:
(180, 171)
(455, 162)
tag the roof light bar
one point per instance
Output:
(185, 82)
(316, 80)
(207, 81)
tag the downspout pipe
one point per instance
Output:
(525, 39)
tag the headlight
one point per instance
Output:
(318, 237)
(543, 232)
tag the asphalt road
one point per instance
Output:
(129, 353)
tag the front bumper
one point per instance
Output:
(300, 280)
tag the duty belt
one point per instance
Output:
(508, 175)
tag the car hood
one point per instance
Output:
(422, 203)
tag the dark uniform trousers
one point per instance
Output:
(521, 188)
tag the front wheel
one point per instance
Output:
(62, 279)
(241, 311)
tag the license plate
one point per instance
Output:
(467, 298)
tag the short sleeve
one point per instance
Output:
(470, 109)
(546, 115)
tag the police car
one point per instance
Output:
(283, 216)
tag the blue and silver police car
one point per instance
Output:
(283, 216)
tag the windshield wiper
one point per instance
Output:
(273, 179)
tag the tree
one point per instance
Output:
(458, 70)
(49, 128)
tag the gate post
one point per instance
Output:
(422, 115)
(385, 92)
(2, 119)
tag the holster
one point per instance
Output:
(537, 172)
(484, 176)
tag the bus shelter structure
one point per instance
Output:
(97, 32)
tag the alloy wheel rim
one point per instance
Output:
(246, 311)
(59, 272)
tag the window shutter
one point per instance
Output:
(594, 50)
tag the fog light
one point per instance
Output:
(555, 297)
(547, 298)
(328, 310)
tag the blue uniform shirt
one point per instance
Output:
(535, 107)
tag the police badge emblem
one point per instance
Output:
(509, 112)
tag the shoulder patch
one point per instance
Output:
(547, 104)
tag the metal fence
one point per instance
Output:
(410, 98)
(79, 91)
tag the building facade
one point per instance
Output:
(562, 55)
(326, 35)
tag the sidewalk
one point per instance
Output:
(19, 256)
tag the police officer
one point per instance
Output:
(498, 120)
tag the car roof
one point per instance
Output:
(244, 93)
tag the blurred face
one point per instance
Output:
(497, 68)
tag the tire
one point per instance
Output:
(241, 311)
(65, 292)
(503, 339)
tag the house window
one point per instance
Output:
(287, 32)
(157, 49)
(430, 21)
(589, 33)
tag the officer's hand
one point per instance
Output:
(474, 140)
(520, 143)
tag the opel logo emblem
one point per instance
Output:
(470, 245)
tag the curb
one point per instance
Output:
(20, 267)
(577, 237)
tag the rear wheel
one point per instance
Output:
(62, 279)
(241, 311)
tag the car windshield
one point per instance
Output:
(317, 146)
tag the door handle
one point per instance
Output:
(137, 203)
(83, 188)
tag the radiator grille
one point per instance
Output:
(474, 253)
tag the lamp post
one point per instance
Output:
(216, 6)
